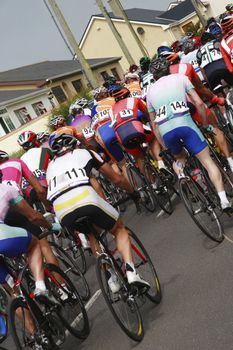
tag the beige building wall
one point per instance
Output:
(216, 7)
(100, 41)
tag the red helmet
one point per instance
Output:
(28, 139)
(226, 21)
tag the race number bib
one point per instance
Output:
(74, 176)
(11, 183)
(24, 184)
(39, 174)
(178, 107)
(126, 113)
(103, 114)
(135, 94)
(94, 121)
(88, 132)
(161, 114)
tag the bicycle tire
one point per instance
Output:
(161, 193)
(138, 182)
(133, 328)
(197, 204)
(28, 341)
(71, 269)
(76, 321)
(145, 267)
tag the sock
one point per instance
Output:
(130, 267)
(40, 285)
(230, 162)
(223, 197)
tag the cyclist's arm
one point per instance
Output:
(227, 59)
(155, 129)
(143, 108)
(199, 104)
(197, 83)
(40, 191)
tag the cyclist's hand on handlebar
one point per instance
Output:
(209, 128)
(217, 101)
(56, 227)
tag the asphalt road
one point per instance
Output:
(196, 312)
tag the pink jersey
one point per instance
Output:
(8, 195)
(13, 170)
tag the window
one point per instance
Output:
(104, 74)
(5, 121)
(23, 115)
(77, 84)
(115, 73)
(39, 108)
(59, 94)
(188, 27)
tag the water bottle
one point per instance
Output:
(199, 178)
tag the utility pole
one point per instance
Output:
(85, 65)
(198, 11)
(118, 37)
(116, 5)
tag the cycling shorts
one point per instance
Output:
(84, 201)
(217, 71)
(190, 137)
(132, 134)
(106, 137)
(14, 241)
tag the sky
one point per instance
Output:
(28, 34)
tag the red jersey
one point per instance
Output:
(226, 48)
(185, 69)
(127, 109)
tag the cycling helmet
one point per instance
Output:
(4, 156)
(214, 29)
(98, 92)
(133, 68)
(170, 56)
(42, 136)
(226, 21)
(119, 92)
(56, 120)
(144, 63)
(83, 102)
(229, 7)
(109, 80)
(134, 76)
(163, 48)
(27, 140)
(75, 109)
(59, 144)
(207, 37)
(159, 67)
(188, 46)
(210, 20)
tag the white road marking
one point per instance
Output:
(228, 239)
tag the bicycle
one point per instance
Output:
(47, 319)
(124, 304)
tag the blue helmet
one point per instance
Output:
(214, 29)
(161, 49)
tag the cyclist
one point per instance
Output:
(214, 28)
(169, 112)
(226, 45)
(210, 59)
(43, 137)
(146, 78)
(129, 129)
(72, 196)
(82, 123)
(203, 92)
(133, 85)
(190, 56)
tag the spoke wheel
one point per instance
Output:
(200, 210)
(72, 311)
(121, 304)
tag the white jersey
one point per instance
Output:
(32, 158)
(70, 170)
(191, 58)
(146, 81)
(208, 53)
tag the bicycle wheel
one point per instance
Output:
(70, 242)
(121, 304)
(72, 311)
(24, 326)
(161, 192)
(138, 183)
(200, 210)
(145, 267)
(71, 269)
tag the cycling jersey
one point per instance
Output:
(226, 47)
(71, 170)
(37, 160)
(100, 112)
(13, 170)
(134, 88)
(145, 81)
(9, 196)
(191, 58)
(82, 124)
(167, 98)
(208, 53)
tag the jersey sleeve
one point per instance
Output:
(150, 108)
(26, 172)
(13, 196)
(187, 84)
(98, 161)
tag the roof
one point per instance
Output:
(9, 95)
(180, 11)
(142, 15)
(48, 70)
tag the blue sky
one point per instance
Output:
(28, 34)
